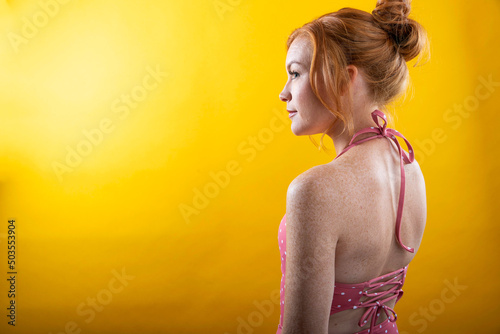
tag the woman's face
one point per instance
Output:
(309, 116)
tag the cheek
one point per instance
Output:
(311, 107)
(309, 101)
(305, 96)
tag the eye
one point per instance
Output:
(292, 73)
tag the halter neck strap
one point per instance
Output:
(382, 131)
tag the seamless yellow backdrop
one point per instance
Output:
(145, 157)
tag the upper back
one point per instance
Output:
(369, 180)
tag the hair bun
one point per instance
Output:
(409, 36)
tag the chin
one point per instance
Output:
(303, 130)
(297, 130)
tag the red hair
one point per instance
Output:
(378, 44)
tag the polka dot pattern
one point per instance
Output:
(349, 296)
(282, 244)
(366, 295)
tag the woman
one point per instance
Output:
(345, 240)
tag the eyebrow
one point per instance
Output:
(293, 62)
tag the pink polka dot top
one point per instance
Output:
(367, 295)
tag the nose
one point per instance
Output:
(284, 95)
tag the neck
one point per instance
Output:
(361, 119)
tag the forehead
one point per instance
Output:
(300, 50)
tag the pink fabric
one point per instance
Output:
(348, 296)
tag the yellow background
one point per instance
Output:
(215, 108)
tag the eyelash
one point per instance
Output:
(292, 73)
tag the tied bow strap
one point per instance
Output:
(376, 300)
(391, 134)
(375, 309)
(383, 131)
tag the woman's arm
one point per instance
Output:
(312, 234)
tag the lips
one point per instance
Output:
(291, 113)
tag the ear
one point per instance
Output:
(353, 75)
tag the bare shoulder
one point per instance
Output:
(418, 172)
(312, 199)
(315, 181)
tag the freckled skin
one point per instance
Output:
(349, 203)
(312, 116)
